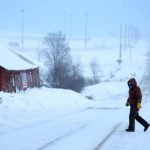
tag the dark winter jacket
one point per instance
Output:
(135, 95)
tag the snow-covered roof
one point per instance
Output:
(12, 60)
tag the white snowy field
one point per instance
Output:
(57, 119)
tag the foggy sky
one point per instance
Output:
(104, 17)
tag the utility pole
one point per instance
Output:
(130, 52)
(22, 20)
(120, 50)
(65, 20)
(70, 19)
(128, 36)
(86, 21)
(125, 38)
(130, 42)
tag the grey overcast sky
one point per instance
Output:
(103, 19)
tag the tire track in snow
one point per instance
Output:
(48, 144)
(99, 146)
(41, 122)
(38, 123)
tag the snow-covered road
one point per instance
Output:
(81, 129)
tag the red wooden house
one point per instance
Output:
(17, 72)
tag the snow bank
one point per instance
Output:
(42, 98)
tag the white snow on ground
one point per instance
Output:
(57, 119)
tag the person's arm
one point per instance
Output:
(127, 102)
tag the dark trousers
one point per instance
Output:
(134, 114)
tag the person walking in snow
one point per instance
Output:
(134, 101)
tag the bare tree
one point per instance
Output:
(62, 72)
(58, 57)
(76, 80)
(95, 69)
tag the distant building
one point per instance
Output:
(17, 72)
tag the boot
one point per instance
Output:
(129, 130)
(146, 127)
